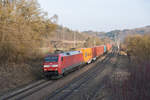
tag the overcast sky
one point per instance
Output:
(99, 15)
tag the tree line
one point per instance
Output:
(22, 28)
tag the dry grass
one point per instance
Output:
(132, 85)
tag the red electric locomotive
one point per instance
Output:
(58, 64)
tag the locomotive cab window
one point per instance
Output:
(51, 59)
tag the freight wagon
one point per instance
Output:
(87, 54)
(99, 51)
(94, 54)
(109, 46)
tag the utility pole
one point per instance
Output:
(94, 43)
(63, 39)
(118, 45)
(117, 41)
(74, 40)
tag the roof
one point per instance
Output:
(69, 53)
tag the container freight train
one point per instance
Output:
(58, 64)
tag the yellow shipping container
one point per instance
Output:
(87, 54)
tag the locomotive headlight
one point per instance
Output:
(54, 65)
(46, 65)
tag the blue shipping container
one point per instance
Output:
(105, 49)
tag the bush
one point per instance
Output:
(8, 53)
(139, 47)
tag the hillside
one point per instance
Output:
(121, 33)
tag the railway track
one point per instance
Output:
(26, 91)
(68, 89)
(37, 86)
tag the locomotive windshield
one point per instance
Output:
(51, 59)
